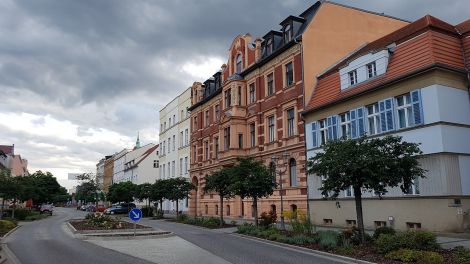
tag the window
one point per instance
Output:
(373, 119)
(186, 137)
(379, 224)
(350, 222)
(186, 165)
(216, 209)
(386, 115)
(239, 95)
(239, 64)
(287, 33)
(165, 125)
(216, 151)
(169, 170)
(414, 188)
(290, 122)
(163, 171)
(226, 138)
(323, 131)
(349, 192)
(217, 112)
(269, 46)
(156, 163)
(228, 98)
(352, 77)
(293, 172)
(174, 119)
(252, 98)
(169, 122)
(270, 82)
(252, 135)
(182, 115)
(332, 128)
(345, 124)
(240, 141)
(273, 208)
(181, 166)
(413, 226)
(327, 221)
(271, 128)
(169, 145)
(404, 111)
(194, 154)
(289, 74)
(173, 168)
(181, 139)
(174, 142)
(206, 118)
(228, 209)
(206, 209)
(164, 145)
(371, 70)
(195, 123)
(206, 150)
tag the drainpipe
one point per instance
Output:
(296, 40)
(465, 62)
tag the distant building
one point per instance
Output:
(413, 83)
(108, 172)
(174, 143)
(9, 160)
(99, 177)
(118, 165)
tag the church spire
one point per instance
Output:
(137, 143)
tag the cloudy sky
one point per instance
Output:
(78, 79)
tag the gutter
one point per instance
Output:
(465, 62)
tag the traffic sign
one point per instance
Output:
(135, 214)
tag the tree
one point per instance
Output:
(222, 182)
(9, 188)
(40, 187)
(122, 192)
(366, 164)
(253, 179)
(143, 192)
(179, 189)
(159, 191)
(87, 191)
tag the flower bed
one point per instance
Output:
(6, 226)
(99, 221)
(207, 222)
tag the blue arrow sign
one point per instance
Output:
(135, 214)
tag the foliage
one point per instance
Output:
(100, 220)
(159, 214)
(462, 255)
(246, 228)
(35, 216)
(6, 226)
(299, 221)
(222, 182)
(328, 239)
(409, 240)
(209, 222)
(21, 214)
(268, 219)
(411, 255)
(180, 188)
(159, 191)
(147, 211)
(371, 164)
(253, 179)
(87, 191)
(143, 192)
(121, 192)
(384, 230)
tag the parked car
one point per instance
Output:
(46, 209)
(100, 208)
(122, 208)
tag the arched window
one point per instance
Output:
(272, 169)
(239, 64)
(273, 208)
(216, 209)
(293, 172)
(228, 209)
(206, 209)
(293, 208)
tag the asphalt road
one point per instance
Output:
(240, 250)
(45, 241)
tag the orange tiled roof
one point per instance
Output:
(421, 44)
(7, 149)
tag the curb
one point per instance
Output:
(9, 257)
(11, 231)
(307, 250)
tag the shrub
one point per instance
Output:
(384, 230)
(147, 211)
(158, 214)
(410, 240)
(21, 214)
(100, 220)
(328, 239)
(299, 221)
(35, 217)
(6, 226)
(181, 218)
(268, 219)
(462, 255)
(245, 228)
(405, 255)
(429, 257)
(274, 237)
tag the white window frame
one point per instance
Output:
(371, 70)
(352, 75)
(374, 118)
(271, 122)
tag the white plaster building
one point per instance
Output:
(118, 170)
(142, 165)
(174, 143)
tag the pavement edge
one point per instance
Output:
(9, 257)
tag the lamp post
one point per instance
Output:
(285, 157)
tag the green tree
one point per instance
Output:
(40, 187)
(222, 182)
(253, 179)
(159, 191)
(9, 189)
(143, 192)
(366, 164)
(87, 191)
(122, 192)
(179, 189)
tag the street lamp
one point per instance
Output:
(285, 157)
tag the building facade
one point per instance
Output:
(251, 106)
(118, 166)
(412, 83)
(108, 172)
(174, 143)
(99, 177)
(14, 162)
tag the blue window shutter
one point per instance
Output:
(383, 119)
(314, 135)
(360, 122)
(352, 113)
(417, 107)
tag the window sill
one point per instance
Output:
(289, 87)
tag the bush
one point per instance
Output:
(246, 228)
(6, 226)
(267, 219)
(327, 239)
(429, 257)
(21, 214)
(383, 230)
(409, 240)
(405, 255)
(35, 217)
(462, 255)
(159, 214)
(100, 220)
(147, 211)
(181, 218)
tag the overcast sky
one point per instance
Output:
(78, 79)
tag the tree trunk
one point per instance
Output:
(161, 205)
(177, 212)
(221, 210)
(13, 210)
(360, 217)
(255, 207)
(1, 209)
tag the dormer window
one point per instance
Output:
(269, 46)
(371, 70)
(287, 33)
(352, 77)
(239, 64)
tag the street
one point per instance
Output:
(46, 241)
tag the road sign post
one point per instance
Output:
(135, 215)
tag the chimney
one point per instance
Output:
(223, 68)
(258, 51)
